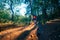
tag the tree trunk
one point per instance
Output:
(12, 10)
(44, 15)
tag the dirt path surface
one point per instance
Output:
(50, 31)
(32, 35)
(13, 34)
(30, 32)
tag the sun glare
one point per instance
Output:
(20, 9)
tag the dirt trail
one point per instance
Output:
(12, 34)
(29, 32)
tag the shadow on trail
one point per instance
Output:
(24, 34)
(48, 30)
(40, 32)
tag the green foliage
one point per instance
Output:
(4, 16)
(21, 20)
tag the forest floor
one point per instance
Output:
(30, 32)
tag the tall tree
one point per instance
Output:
(11, 4)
